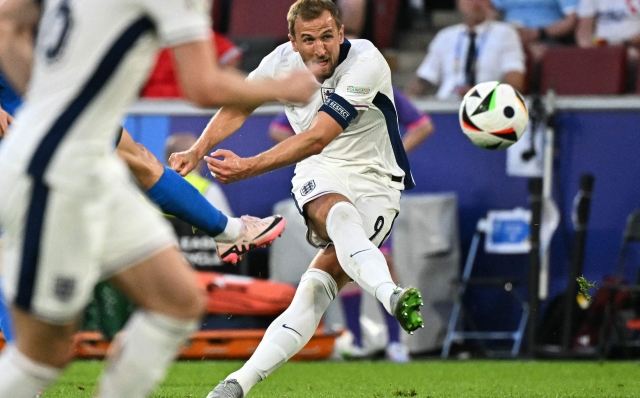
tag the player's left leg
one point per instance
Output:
(292, 330)
(176, 196)
(333, 218)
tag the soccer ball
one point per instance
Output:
(493, 115)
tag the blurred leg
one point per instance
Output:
(171, 304)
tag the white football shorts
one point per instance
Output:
(59, 243)
(377, 202)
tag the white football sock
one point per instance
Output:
(360, 259)
(231, 231)
(21, 377)
(149, 345)
(291, 331)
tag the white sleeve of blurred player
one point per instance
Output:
(215, 195)
(511, 54)
(587, 8)
(180, 21)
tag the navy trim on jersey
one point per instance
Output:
(344, 50)
(104, 71)
(43, 154)
(119, 136)
(31, 245)
(339, 109)
(387, 108)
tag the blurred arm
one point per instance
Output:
(5, 121)
(18, 19)
(414, 137)
(278, 135)
(515, 79)
(420, 87)
(206, 84)
(563, 27)
(584, 32)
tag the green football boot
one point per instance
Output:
(406, 304)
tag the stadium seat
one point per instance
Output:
(258, 18)
(585, 71)
(258, 27)
(385, 14)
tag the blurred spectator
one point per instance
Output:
(608, 22)
(162, 82)
(476, 51)
(541, 21)
(612, 22)
(418, 128)
(354, 17)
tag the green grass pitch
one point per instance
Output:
(383, 379)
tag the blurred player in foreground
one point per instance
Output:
(162, 185)
(350, 174)
(418, 128)
(70, 215)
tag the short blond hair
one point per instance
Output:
(307, 10)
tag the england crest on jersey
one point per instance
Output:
(326, 92)
(307, 188)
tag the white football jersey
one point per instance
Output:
(360, 98)
(92, 57)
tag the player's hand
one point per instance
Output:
(183, 162)
(298, 87)
(5, 121)
(230, 168)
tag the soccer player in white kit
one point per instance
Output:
(69, 213)
(350, 173)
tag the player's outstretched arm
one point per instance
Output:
(232, 168)
(206, 84)
(225, 122)
(18, 19)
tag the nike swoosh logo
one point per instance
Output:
(287, 327)
(358, 252)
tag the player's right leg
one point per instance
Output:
(170, 306)
(293, 329)
(176, 196)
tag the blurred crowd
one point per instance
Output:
(504, 40)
